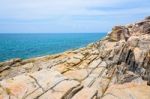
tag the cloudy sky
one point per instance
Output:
(69, 16)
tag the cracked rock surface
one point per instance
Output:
(117, 67)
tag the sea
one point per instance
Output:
(29, 45)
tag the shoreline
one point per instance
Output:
(48, 55)
(43, 57)
(116, 66)
(42, 47)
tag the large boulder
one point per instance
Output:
(119, 33)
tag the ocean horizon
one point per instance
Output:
(29, 45)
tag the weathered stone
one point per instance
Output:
(11, 62)
(19, 86)
(2, 68)
(86, 93)
(95, 63)
(6, 65)
(73, 61)
(78, 56)
(47, 78)
(88, 81)
(34, 94)
(28, 66)
(103, 64)
(118, 33)
(118, 66)
(58, 91)
(72, 92)
(77, 74)
(3, 94)
(128, 91)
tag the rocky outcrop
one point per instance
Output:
(6, 65)
(124, 32)
(118, 66)
(119, 33)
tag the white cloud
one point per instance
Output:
(69, 15)
(40, 9)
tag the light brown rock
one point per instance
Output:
(128, 91)
(86, 93)
(77, 74)
(47, 78)
(59, 90)
(19, 86)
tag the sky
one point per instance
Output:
(69, 16)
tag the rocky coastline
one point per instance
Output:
(116, 67)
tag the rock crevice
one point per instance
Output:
(117, 66)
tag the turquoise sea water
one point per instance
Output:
(33, 45)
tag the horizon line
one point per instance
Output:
(55, 33)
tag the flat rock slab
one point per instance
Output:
(33, 85)
(86, 93)
(60, 90)
(77, 74)
(47, 78)
(19, 86)
(128, 91)
(95, 63)
(73, 61)
(88, 81)
(78, 56)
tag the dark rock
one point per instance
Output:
(12, 61)
(147, 18)
(146, 28)
(119, 33)
(6, 65)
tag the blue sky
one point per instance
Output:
(69, 16)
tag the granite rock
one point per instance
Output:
(117, 66)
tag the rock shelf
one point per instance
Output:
(116, 67)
